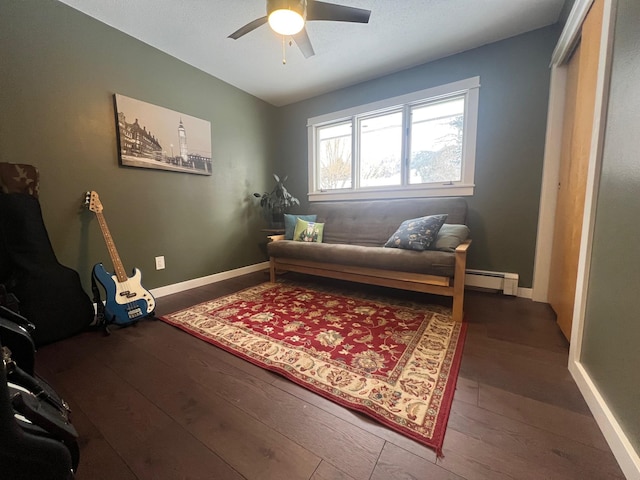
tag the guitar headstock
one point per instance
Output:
(92, 201)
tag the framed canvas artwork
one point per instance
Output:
(150, 136)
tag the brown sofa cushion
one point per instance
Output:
(430, 262)
(371, 223)
(355, 232)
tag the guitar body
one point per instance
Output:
(126, 302)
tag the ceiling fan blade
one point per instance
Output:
(304, 44)
(249, 27)
(338, 13)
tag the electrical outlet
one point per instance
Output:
(160, 263)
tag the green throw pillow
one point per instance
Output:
(417, 233)
(450, 236)
(290, 223)
(308, 231)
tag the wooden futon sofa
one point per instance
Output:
(352, 247)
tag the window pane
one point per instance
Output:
(381, 150)
(334, 153)
(436, 142)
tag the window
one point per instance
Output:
(334, 156)
(421, 144)
(380, 150)
(436, 142)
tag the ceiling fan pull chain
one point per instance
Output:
(284, 52)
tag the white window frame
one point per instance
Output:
(469, 88)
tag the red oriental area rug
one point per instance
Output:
(395, 361)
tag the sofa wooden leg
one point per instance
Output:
(458, 313)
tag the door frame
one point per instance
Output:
(625, 454)
(553, 145)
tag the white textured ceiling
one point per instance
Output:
(400, 34)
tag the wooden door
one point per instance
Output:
(576, 148)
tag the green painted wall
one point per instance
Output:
(514, 77)
(59, 70)
(610, 348)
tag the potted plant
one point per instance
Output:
(276, 202)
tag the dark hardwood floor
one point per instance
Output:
(152, 402)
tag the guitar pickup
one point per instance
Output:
(128, 294)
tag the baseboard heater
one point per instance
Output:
(502, 281)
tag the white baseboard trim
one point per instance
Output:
(627, 457)
(525, 293)
(216, 277)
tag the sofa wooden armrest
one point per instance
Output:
(458, 280)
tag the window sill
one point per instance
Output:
(381, 194)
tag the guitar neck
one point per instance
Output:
(113, 253)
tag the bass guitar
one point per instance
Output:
(127, 301)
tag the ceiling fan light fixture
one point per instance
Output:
(286, 17)
(286, 22)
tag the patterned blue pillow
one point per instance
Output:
(417, 233)
(290, 223)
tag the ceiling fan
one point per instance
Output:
(288, 18)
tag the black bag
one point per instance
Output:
(50, 295)
(37, 439)
(15, 333)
